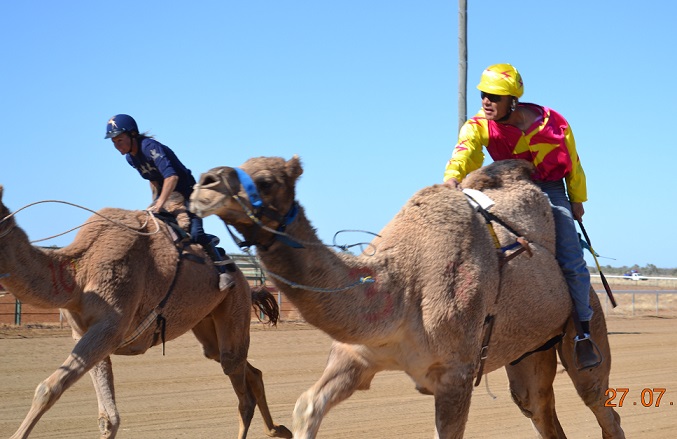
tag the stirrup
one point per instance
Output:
(226, 281)
(595, 354)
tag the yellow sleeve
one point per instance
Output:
(576, 185)
(468, 155)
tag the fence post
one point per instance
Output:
(17, 312)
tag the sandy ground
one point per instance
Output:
(182, 395)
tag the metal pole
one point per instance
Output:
(462, 61)
(17, 312)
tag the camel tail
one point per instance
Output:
(264, 302)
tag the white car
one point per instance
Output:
(634, 276)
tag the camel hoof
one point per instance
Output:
(280, 431)
(424, 391)
(105, 428)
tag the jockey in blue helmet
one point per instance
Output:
(158, 164)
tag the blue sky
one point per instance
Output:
(365, 92)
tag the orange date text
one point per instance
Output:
(648, 397)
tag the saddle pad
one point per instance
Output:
(478, 199)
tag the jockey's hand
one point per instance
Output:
(577, 210)
(453, 183)
(155, 208)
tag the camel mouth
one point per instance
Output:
(208, 195)
(200, 205)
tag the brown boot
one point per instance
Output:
(586, 353)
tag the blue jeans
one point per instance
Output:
(569, 252)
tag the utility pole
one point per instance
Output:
(462, 61)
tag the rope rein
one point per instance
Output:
(363, 280)
(156, 313)
(343, 247)
(256, 220)
(138, 231)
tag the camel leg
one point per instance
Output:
(592, 384)
(531, 389)
(245, 397)
(102, 378)
(254, 379)
(453, 391)
(218, 349)
(91, 349)
(346, 371)
(247, 381)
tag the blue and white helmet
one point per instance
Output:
(121, 123)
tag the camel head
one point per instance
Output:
(259, 193)
(4, 212)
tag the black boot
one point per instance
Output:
(586, 352)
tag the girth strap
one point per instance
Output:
(488, 327)
(547, 345)
(180, 243)
(480, 203)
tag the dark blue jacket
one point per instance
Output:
(155, 162)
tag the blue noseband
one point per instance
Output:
(255, 199)
(249, 187)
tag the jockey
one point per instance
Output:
(510, 129)
(158, 164)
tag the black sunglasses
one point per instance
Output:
(492, 98)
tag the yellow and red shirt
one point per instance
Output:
(549, 144)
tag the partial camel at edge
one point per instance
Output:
(116, 274)
(434, 277)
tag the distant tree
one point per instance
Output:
(650, 269)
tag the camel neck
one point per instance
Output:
(326, 286)
(41, 277)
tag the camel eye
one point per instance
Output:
(264, 185)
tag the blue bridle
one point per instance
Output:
(249, 187)
(255, 200)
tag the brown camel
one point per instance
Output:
(112, 282)
(418, 304)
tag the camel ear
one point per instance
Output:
(294, 168)
(1, 190)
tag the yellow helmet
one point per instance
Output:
(501, 79)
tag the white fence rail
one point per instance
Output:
(630, 303)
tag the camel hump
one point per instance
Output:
(499, 174)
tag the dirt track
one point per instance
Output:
(181, 395)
